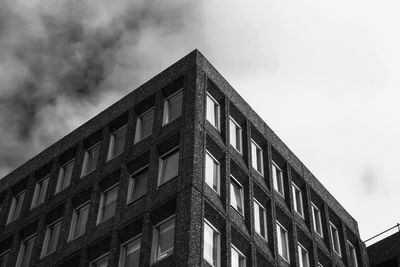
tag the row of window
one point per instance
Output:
(144, 127)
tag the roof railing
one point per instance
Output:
(384, 232)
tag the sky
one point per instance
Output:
(324, 75)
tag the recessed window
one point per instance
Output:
(117, 143)
(235, 135)
(237, 258)
(297, 200)
(137, 185)
(173, 107)
(335, 239)
(283, 242)
(213, 112)
(65, 175)
(317, 222)
(237, 196)
(79, 221)
(169, 167)
(90, 159)
(130, 253)
(25, 251)
(51, 238)
(277, 179)
(108, 203)
(144, 125)
(212, 173)
(353, 254)
(260, 219)
(4, 258)
(211, 247)
(16, 207)
(257, 157)
(40, 192)
(163, 239)
(303, 256)
(100, 262)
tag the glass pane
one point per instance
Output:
(54, 232)
(263, 222)
(110, 201)
(81, 219)
(92, 156)
(257, 218)
(253, 156)
(119, 142)
(103, 262)
(232, 134)
(42, 190)
(211, 115)
(235, 258)
(67, 174)
(208, 243)
(238, 138)
(236, 196)
(169, 167)
(18, 206)
(174, 106)
(146, 124)
(166, 237)
(140, 186)
(27, 248)
(132, 253)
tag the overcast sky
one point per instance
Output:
(324, 75)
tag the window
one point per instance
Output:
(297, 200)
(335, 239)
(317, 222)
(138, 185)
(260, 219)
(4, 258)
(144, 125)
(237, 258)
(277, 178)
(257, 158)
(303, 256)
(40, 192)
(117, 143)
(16, 207)
(79, 220)
(90, 159)
(213, 112)
(353, 254)
(283, 242)
(235, 135)
(169, 167)
(51, 238)
(237, 196)
(65, 175)
(212, 173)
(100, 262)
(25, 251)
(172, 107)
(108, 202)
(163, 239)
(130, 253)
(211, 248)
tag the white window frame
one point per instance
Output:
(255, 160)
(111, 145)
(100, 214)
(313, 208)
(46, 240)
(139, 127)
(160, 162)
(240, 150)
(265, 220)
(215, 161)
(300, 250)
(22, 249)
(122, 254)
(353, 254)
(296, 189)
(61, 176)
(13, 206)
(93, 262)
(84, 170)
(4, 253)
(74, 221)
(36, 196)
(217, 112)
(336, 236)
(132, 184)
(280, 177)
(155, 257)
(217, 242)
(279, 241)
(242, 257)
(241, 195)
(166, 115)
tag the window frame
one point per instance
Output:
(240, 150)
(93, 262)
(100, 212)
(218, 241)
(123, 254)
(166, 115)
(131, 186)
(36, 194)
(353, 254)
(261, 157)
(241, 195)
(13, 206)
(61, 176)
(337, 238)
(73, 225)
(313, 208)
(139, 126)
(300, 249)
(242, 257)
(218, 191)
(84, 171)
(279, 225)
(276, 185)
(23, 250)
(295, 189)
(46, 240)
(111, 144)
(155, 239)
(217, 112)
(256, 202)
(160, 162)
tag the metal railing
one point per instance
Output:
(384, 232)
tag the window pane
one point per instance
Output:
(208, 243)
(132, 253)
(92, 156)
(64, 177)
(257, 218)
(110, 201)
(146, 127)
(237, 260)
(174, 107)
(26, 252)
(212, 112)
(212, 173)
(103, 262)
(16, 206)
(232, 133)
(169, 167)
(139, 186)
(282, 242)
(165, 240)
(117, 142)
(81, 219)
(236, 196)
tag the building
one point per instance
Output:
(385, 252)
(180, 172)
